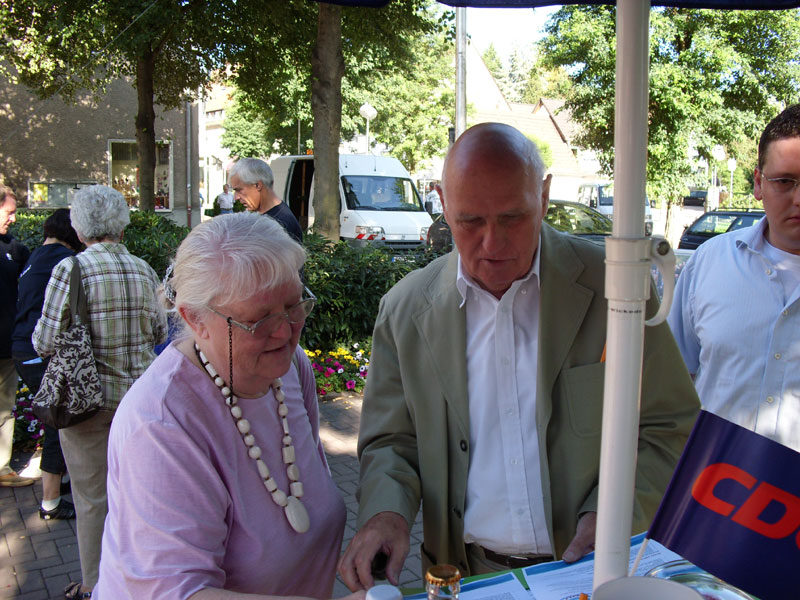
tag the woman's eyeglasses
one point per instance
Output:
(266, 326)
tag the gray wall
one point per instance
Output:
(48, 140)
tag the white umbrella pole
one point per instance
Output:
(627, 289)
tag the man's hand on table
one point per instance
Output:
(386, 532)
(583, 542)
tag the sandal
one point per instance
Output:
(73, 591)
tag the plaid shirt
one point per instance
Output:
(125, 318)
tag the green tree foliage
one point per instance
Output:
(545, 150)
(493, 62)
(273, 71)
(716, 77)
(517, 75)
(415, 106)
(246, 133)
(543, 82)
(167, 48)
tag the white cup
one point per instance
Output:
(384, 592)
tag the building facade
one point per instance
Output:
(49, 149)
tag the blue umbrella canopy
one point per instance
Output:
(724, 4)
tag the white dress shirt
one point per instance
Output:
(505, 505)
(736, 318)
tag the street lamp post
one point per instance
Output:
(731, 168)
(368, 112)
(718, 154)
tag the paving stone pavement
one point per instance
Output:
(39, 558)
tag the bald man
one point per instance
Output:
(484, 397)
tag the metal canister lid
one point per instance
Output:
(444, 575)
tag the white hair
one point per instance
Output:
(253, 170)
(99, 212)
(233, 257)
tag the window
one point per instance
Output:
(49, 194)
(124, 172)
(372, 192)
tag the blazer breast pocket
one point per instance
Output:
(581, 389)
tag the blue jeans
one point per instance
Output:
(225, 211)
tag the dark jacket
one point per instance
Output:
(13, 256)
(30, 294)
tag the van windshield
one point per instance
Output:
(373, 192)
(606, 194)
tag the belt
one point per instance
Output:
(515, 562)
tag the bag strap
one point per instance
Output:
(77, 295)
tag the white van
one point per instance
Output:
(600, 196)
(379, 202)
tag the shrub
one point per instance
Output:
(349, 283)
(28, 228)
(152, 237)
(215, 210)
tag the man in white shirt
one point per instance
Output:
(225, 200)
(433, 198)
(484, 397)
(736, 315)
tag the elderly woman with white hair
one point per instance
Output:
(218, 483)
(126, 321)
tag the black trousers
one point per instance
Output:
(31, 374)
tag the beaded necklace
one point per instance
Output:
(293, 508)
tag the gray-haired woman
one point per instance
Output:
(218, 484)
(126, 321)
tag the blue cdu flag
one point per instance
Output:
(733, 508)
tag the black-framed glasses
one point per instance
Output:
(782, 185)
(296, 313)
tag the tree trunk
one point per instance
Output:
(327, 70)
(145, 131)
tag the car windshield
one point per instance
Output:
(712, 224)
(373, 192)
(578, 219)
(745, 221)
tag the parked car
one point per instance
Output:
(600, 196)
(570, 217)
(695, 198)
(715, 222)
(681, 256)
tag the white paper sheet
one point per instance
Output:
(501, 587)
(561, 581)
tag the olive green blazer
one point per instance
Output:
(414, 436)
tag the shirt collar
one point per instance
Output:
(464, 281)
(754, 238)
(116, 247)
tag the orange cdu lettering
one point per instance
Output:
(749, 515)
(703, 488)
